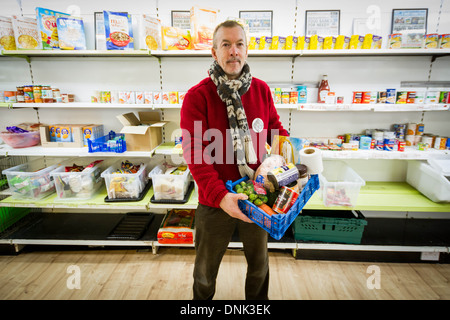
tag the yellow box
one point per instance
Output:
(291, 43)
(342, 42)
(253, 44)
(278, 43)
(316, 42)
(356, 42)
(301, 43)
(265, 43)
(329, 42)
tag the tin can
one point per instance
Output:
(428, 141)
(285, 200)
(419, 130)
(401, 145)
(410, 140)
(285, 97)
(422, 146)
(277, 96)
(440, 143)
(10, 96)
(411, 129)
(283, 175)
(390, 96)
(293, 97)
(447, 145)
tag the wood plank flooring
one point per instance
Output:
(128, 274)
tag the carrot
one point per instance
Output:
(264, 207)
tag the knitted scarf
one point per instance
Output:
(230, 92)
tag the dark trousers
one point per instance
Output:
(213, 231)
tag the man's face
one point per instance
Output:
(231, 51)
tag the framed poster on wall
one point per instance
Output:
(322, 22)
(259, 22)
(412, 20)
(181, 19)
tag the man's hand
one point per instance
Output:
(229, 204)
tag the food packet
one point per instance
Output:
(270, 163)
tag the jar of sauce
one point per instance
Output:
(56, 95)
(37, 94)
(47, 94)
(20, 95)
(28, 94)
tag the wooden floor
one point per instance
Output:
(131, 274)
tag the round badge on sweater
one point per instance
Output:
(257, 125)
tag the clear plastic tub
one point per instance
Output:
(21, 140)
(78, 185)
(428, 180)
(169, 186)
(32, 180)
(126, 186)
(339, 184)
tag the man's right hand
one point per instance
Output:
(229, 204)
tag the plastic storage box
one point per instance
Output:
(32, 180)
(342, 226)
(21, 140)
(428, 180)
(126, 186)
(339, 184)
(276, 224)
(78, 185)
(168, 186)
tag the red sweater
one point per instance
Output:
(210, 156)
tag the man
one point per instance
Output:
(228, 105)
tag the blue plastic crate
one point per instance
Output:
(276, 224)
(108, 144)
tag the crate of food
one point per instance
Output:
(32, 180)
(126, 181)
(112, 142)
(429, 180)
(78, 180)
(339, 184)
(170, 182)
(340, 226)
(275, 223)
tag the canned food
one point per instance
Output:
(410, 140)
(10, 96)
(440, 143)
(411, 129)
(443, 97)
(285, 200)
(419, 129)
(428, 141)
(366, 97)
(401, 145)
(422, 146)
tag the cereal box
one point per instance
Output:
(71, 33)
(265, 43)
(431, 41)
(291, 43)
(395, 41)
(329, 42)
(278, 43)
(47, 27)
(25, 33)
(150, 33)
(356, 42)
(175, 38)
(342, 42)
(444, 41)
(203, 23)
(7, 41)
(118, 31)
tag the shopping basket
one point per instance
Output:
(276, 224)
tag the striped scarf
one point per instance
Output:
(230, 92)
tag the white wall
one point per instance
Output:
(82, 76)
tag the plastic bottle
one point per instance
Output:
(324, 88)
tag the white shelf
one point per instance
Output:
(207, 53)
(377, 107)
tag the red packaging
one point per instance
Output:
(286, 198)
(401, 145)
(357, 96)
(366, 97)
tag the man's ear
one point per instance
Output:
(213, 52)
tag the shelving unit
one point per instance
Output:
(169, 70)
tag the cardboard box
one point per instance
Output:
(143, 134)
(77, 135)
